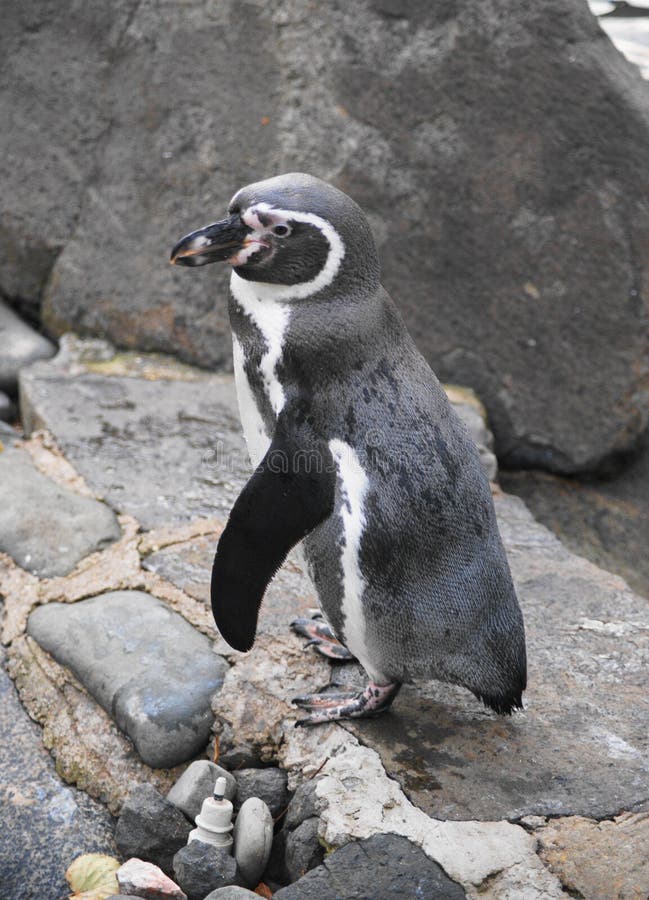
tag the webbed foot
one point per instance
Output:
(347, 704)
(322, 638)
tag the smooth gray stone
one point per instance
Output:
(20, 346)
(383, 867)
(253, 839)
(151, 828)
(232, 892)
(196, 783)
(267, 784)
(44, 823)
(8, 435)
(144, 664)
(303, 849)
(200, 868)
(45, 528)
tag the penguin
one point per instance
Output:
(358, 456)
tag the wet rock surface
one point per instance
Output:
(20, 346)
(44, 824)
(381, 868)
(46, 528)
(151, 828)
(143, 663)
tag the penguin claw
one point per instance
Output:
(322, 639)
(347, 705)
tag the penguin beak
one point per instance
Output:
(214, 243)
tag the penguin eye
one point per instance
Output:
(281, 230)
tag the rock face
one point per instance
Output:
(381, 868)
(144, 664)
(483, 215)
(46, 528)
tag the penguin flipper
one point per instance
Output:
(290, 493)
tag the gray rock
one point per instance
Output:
(144, 664)
(200, 868)
(46, 528)
(303, 805)
(196, 783)
(439, 186)
(267, 784)
(382, 867)
(303, 849)
(253, 839)
(7, 408)
(232, 892)
(180, 439)
(44, 824)
(20, 346)
(151, 828)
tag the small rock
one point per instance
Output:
(151, 828)
(200, 868)
(232, 892)
(21, 345)
(253, 839)
(303, 849)
(144, 664)
(142, 879)
(47, 529)
(7, 408)
(196, 783)
(382, 867)
(8, 435)
(303, 805)
(267, 784)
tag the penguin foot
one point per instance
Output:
(347, 704)
(322, 638)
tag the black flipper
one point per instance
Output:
(290, 493)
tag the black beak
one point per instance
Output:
(214, 243)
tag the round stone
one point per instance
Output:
(253, 839)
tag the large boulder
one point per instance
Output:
(499, 150)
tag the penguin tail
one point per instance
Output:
(503, 704)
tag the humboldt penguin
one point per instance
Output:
(357, 455)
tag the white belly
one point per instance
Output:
(254, 430)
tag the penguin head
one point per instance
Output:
(293, 231)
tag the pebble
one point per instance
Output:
(196, 783)
(303, 849)
(232, 892)
(47, 529)
(21, 346)
(304, 804)
(152, 671)
(253, 839)
(151, 828)
(382, 867)
(200, 868)
(267, 784)
(144, 879)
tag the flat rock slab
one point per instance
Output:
(47, 528)
(145, 665)
(44, 824)
(164, 451)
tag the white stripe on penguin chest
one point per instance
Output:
(271, 318)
